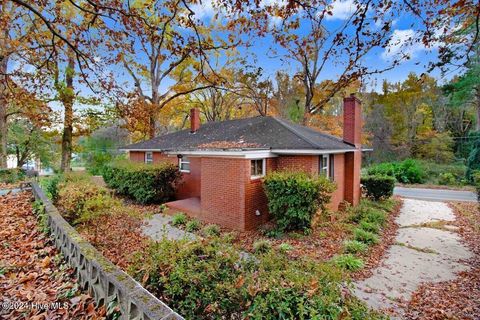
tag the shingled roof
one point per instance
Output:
(257, 133)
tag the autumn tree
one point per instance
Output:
(345, 47)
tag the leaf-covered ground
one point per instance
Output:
(32, 271)
(458, 298)
(117, 235)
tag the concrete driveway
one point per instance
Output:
(435, 194)
(426, 249)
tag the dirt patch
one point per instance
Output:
(118, 235)
(32, 271)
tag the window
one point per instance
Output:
(149, 157)
(257, 168)
(325, 165)
(184, 164)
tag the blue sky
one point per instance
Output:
(403, 28)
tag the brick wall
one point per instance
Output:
(339, 178)
(305, 163)
(353, 163)
(223, 191)
(137, 156)
(256, 199)
(229, 197)
(191, 181)
(352, 121)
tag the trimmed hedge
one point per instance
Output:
(11, 175)
(146, 183)
(294, 197)
(378, 187)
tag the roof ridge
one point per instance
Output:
(294, 131)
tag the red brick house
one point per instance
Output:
(222, 163)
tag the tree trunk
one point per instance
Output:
(477, 127)
(67, 97)
(151, 127)
(3, 111)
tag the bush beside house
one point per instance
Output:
(294, 197)
(146, 183)
(378, 187)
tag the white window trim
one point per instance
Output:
(264, 169)
(146, 157)
(180, 161)
(327, 168)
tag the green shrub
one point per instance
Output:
(11, 175)
(179, 219)
(476, 181)
(376, 216)
(447, 178)
(96, 206)
(192, 225)
(473, 161)
(354, 246)
(211, 230)
(369, 226)
(207, 279)
(378, 187)
(195, 278)
(146, 183)
(348, 262)
(50, 185)
(365, 236)
(285, 247)
(407, 171)
(262, 246)
(72, 197)
(293, 198)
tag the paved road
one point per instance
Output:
(435, 194)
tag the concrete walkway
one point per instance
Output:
(435, 194)
(427, 250)
(158, 227)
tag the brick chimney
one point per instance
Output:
(352, 134)
(194, 120)
(352, 120)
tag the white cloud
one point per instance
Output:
(203, 10)
(274, 21)
(341, 9)
(403, 43)
(280, 3)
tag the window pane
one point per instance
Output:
(186, 166)
(256, 167)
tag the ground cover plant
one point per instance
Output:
(207, 279)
